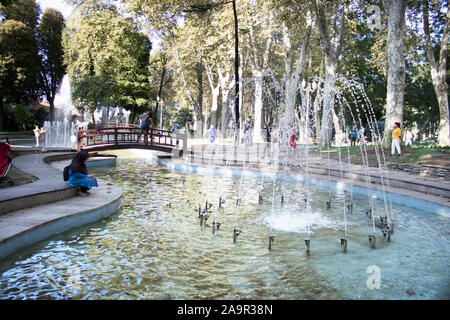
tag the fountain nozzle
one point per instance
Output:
(221, 201)
(236, 233)
(344, 242)
(372, 240)
(215, 226)
(271, 240)
(387, 231)
(308, 244)
(350, 206)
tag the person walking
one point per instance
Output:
(362, 135)
(267, 138)
(408, 137)
(352, 136)
(396, 134)
(212, 134)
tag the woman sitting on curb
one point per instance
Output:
(79, 175)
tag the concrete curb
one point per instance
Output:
(49, 187)
(22, 228)
(409, 198)
(357, 173)
(25, 226)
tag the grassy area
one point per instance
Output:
(420, 154)
(17, 133)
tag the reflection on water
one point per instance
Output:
(154, 247)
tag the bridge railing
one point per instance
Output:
(114, 125)
(130, 135)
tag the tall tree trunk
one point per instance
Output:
(199, 102)
(226, 85)
(215, 91)
(439, 73)
(316, 108)
(331, 53)
(258, 124)
(424, 126)
(93, 117)
(198, 123)
(396, 66)
(163, 73)
(259, 66)
(51, 102)
(236, 69)
(328, 102)
(293, 78)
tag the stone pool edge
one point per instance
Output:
(406, 197)
(31, 231)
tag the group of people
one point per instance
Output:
(356, 134)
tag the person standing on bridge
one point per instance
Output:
(174, 127)
(146, 124)
(79, 175)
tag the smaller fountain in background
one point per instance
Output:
(62, 132)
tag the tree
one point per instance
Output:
(295, 47)
(439, 71)
(6, 2)
(25, 11)
(19, 65)
(396, 65)
(104, 47)
(51, 54)
(260, 24)
(332, 52)
(92, 92)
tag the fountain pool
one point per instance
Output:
(155, 248)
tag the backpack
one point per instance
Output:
(66, 173)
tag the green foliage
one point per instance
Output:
(25, 11)
(107, 58)
(51, 54)
(92, 92)
(20, 115)
(19, 63)
(6, 2)
(182, 116)
(420, 98)
(37, 117)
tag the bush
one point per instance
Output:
(21, 116)
(183, 116)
